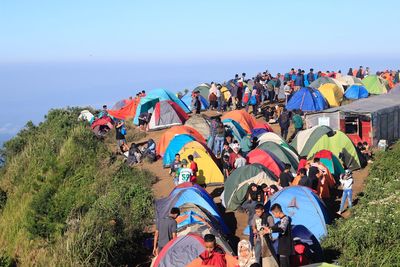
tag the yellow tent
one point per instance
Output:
(208, 173)
(225, 93)
(332, 93)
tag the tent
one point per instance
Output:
(331, 162)
(268, 160)
(277, 139)
(238, 182)
(148, 102)
(280, 152)
(332, 93)
(203, 89)
(305, 139)
(246, 121)
(324, 80)
(208, 171)
(168, 135)
(236, 130)
(375, 84)
(125, 109)
(187, 99)
(174, 147)
(187, 193)
(166, 114)
(341, 146)
(201, 124)
(348, 80)
(180, 251)
(304, 208)
(356, 92)
(307, 99)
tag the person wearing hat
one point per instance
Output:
(346, 180)
(184, 173)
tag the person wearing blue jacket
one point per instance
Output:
(299, 81)
(310, 76)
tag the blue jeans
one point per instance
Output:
(347, 193)
(210, 142)
(218, 145)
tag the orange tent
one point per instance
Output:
(247, 121)
(126, 112)
(170, 134)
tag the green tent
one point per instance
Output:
(338, 144)
(203, 89)
(304, 140)
(375, 85)
(282, 153)
(237, 183)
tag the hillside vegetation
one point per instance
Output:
(65, 200)
(371, 236)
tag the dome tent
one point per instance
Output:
(166, 114)
(307, 99)
(356, 92)
(375, 84)
(332, 93)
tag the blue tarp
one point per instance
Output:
(356, 92)
(174, 147)
(150, 100)
(187, 99)
(307, 99)
(304, 208)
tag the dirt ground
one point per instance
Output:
(237, 221)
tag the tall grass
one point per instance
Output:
(65, 200)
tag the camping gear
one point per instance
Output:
(304, 208)
(237, 184)
(166, 114)
(348, 80)
(124, 109)
(203, 89)
(332, 93)
(187, 99)
(375, 84)
(331, 162)
(174, 147)
(277, 139)
(285, 155)
(305, 139)
(235, 129)
(169, 135)
(268, 160)
(324, 80)
(307, 99)
(356, 92)
(245, 120)
(201, 124)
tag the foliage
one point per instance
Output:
(67, 201)
(371, 236)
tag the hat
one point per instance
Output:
(184, 162)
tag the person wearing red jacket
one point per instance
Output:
(214, 255)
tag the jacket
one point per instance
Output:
(214, 258)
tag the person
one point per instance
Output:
(166, 230)
(213, 255)
(246, 257)
(219, 138)
(304, 180)
(253, 101)
(298, 124)
(219, 98)
(261, 220)
(143, 94)
(288, 91)
(285, 240)
(299, 81)
(134, 156)
(183, 174)
(213, 133)
(227, 150)
(175, 165)
(269, 115)
(226, 167)
(254, 143)
(310, 76)
(346, 181)
(284, 123)
(249, 206)
(286, 177)
(150, 151)
(212, 96)
(144, 119)
(125, 150)
(366, 152)
(350, 72)
(314, 175)
(235, 155)
(193, 167)
(271, 91)
(360, 73)
(120, 132)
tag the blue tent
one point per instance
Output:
(187, 99)
(188, 193)
(235, 129)
(152, 98)
(356, 92)
(304, 208)
(307, 99)
(174, 147)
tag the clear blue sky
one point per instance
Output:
(57, 53)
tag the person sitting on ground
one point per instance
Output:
(246, 257)
(194, 168)
(135, 156)
(286, 177)
(226, 167)
(269, 115)
(346, 181)
(150, 151)
(175, 165)
(166, 231)
(367, 152)
(124, 150)
(144, 119)
(183, 174)
(213, 255)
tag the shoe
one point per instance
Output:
(370, 161)
(339, 213)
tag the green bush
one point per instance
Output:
(371, 236)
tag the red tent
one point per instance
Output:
(267, 160)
